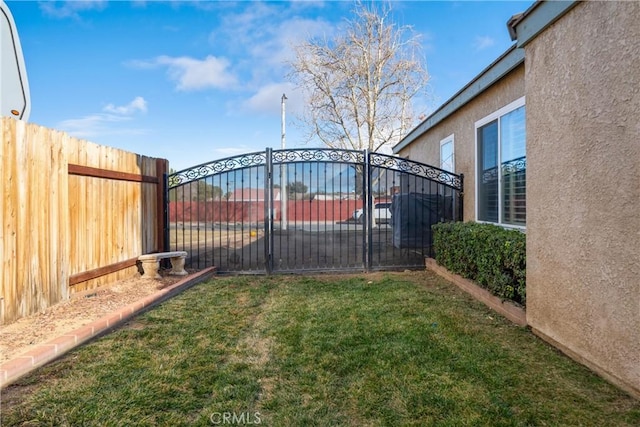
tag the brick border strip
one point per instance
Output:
(506, 308)
(42, 354)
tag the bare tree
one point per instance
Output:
(359, 85)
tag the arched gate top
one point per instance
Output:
(283, 156)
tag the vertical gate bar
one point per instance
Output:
(224, 227)
(326, 215)
(204, 200)
(349, 234)
(283, 261)
(373, 224)
(342, 200)
(351, 242)
(303, 219)
(224, 220)
(197, 206)
(176, 231)
(268, 207)
(180, 219)
(217, 218)
(247, 218)
(198, 218)
(315, 169)
(459, 194)
(351, 238)
(231, 221)
(293, 231)
(165, 203)
(295, 201)
(209, 227)
(190, 231)
(238, 210)
(231, 216)
(283, 225)
(363, 230)
(368, 206)
(191, 218)
(291, 215)
(181, 229)
(236, 257)
(245, 184)
(322, 216)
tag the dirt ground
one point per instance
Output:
(86, 307)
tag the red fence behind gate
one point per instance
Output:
(254, 211)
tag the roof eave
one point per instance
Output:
(526, 26)
(523, 27)
(508, 61)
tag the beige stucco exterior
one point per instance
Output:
(581, 82)
(426, 148)
(583, 186)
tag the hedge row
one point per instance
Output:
(492, 256)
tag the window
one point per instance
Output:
(447, 154)
(501, 166)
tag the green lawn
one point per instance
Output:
(382, 349)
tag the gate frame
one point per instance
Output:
(369, 159)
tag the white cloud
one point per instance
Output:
(483, 42)
(265, 33)
(106, 121)
(192, 74)
(90, 126)
(71, 9)
(138, 104)
(268, 99)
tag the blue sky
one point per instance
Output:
(199, 81)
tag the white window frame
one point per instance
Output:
(485, 120)
(449, 139)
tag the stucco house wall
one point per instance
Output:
(583, 187)
(426, 147)
(581, 83)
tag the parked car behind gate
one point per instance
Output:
(381, 212)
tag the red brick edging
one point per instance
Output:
(506, 308)
(44, 353)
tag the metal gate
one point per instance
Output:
(309, 210)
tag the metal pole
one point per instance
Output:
(283, 174)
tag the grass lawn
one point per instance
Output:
(380, 349)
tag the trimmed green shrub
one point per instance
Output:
(493, 257)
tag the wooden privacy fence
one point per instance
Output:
(75, 215)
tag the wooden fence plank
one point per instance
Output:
(71, 211)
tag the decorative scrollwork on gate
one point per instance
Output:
(416, 168)
(317, 155)
(216, 167)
